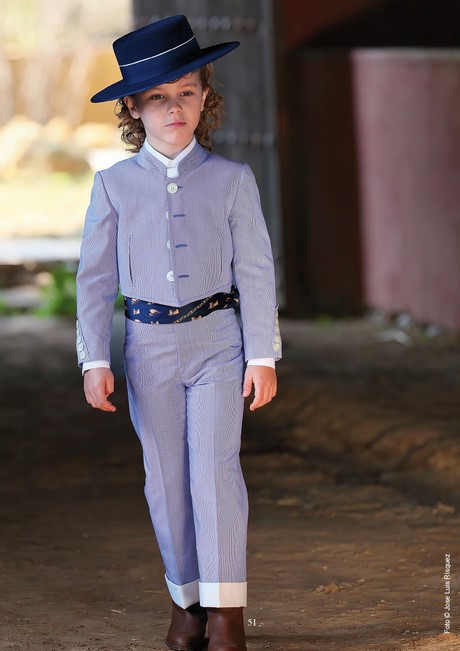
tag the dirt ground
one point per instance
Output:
(353, 477)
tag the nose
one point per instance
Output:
(174, 105)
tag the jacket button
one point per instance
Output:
(172, 188)
(170, 276)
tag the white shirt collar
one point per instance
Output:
(170, 162)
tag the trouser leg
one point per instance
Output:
(220, 503)
(158, 412)
(191, 441)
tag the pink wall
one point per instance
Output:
(407, 107)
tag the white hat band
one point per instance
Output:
(124, 65)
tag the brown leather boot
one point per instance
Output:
(188, 628)
(226, 629)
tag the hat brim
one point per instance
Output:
(122, 88)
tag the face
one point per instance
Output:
(170, 113)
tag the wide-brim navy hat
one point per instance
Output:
(158, 53)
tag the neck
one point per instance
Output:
(171, 154)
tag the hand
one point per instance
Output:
(99, 384)
(264, 380)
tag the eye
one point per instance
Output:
(157, 96)
(187, 93)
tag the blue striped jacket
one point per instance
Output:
(173, 241)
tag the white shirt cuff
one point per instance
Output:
(100, 363)
(262, 361)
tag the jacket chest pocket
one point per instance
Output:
(205, 252)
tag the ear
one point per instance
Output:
(204, 94)
(131, 104)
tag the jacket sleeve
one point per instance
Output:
(97, 277)
(253, 271)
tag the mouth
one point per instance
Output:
(178, 123)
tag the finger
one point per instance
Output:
(110, 384)
(247, 386)
(261, 399)
(104, 406)
(98, 400)
(108, 406)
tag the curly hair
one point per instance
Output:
(132, 129)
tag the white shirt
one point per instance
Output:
(172, 165)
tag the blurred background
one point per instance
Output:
(347, 111)
(348, 114)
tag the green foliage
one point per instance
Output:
(60, 295)
(325, 320)
(7, 310)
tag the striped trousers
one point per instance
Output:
(185, 398)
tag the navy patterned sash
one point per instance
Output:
(145, 312)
